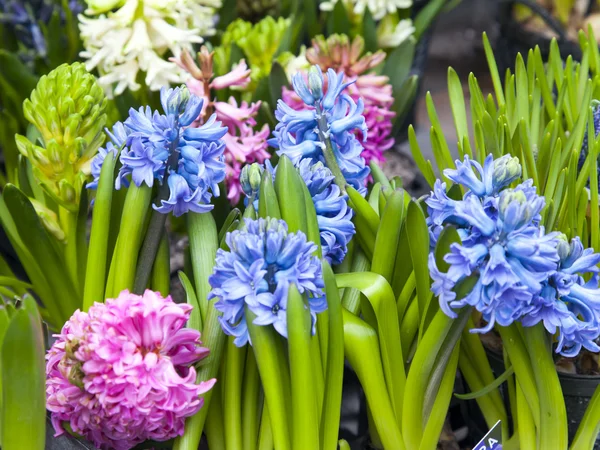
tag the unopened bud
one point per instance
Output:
(315, 82)
(506, 170)
(250, 179)
(563, 248)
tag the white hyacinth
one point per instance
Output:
(379, 8)
(140, 36)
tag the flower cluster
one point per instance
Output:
(23, 19)
(137, 36)
(243, 145)
(521, 273)
(263, 260)
(331, 119)
(344, 56)
(123, 372)
(568, 303)
(155, 144)
(334, 216)
(68, 108)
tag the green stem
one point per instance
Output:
(589, 427)
(149, 251)
(130, 236)
(204, 242)
(519, 357)
(215, 432)
(265, 438)
(330, 160)
(268, 350)
(251, 403)
(234, 362)
(553, 413)
(68, 221)
(524, 421)
(95, 278)
(330, 419)
(161, 270)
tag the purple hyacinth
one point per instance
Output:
(503, 244)
(154, 145)
(332, 114)
(568, 303)
(263, 260)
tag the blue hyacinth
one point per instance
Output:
(332, 116)
(153, 144)
(263, 260)
(569, 304)
(503, 244)
(334, 216)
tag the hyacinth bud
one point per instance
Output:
(315, 82)
(250, 179)
(508, 196)
(563, 247)
(100, 6)
(68, 108)
(506, 170)
(49, 219)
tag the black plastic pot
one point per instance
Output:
(577, 392)
(514, 38)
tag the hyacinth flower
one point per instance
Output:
(243, 145)
(334, 216)
(139, 36)
(187, 162)
(123, 372)
(346, 56)
(503, 244)
(325, 131)
(256, 273)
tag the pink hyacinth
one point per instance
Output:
(243, 145)
(123, 373)
(342, 55)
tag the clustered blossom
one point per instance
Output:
(331, 117)
(137, 37)
(154, 145)
(123, 373)
(334, 216)
(521, 273)
(243, 145)
(344, 56)
(263, 260)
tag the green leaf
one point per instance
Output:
(489, 388)
(383, 307)
(404, 98)
(361, 347)
(17, 75)
(23, 415)
(365, 219)
(195, 320)
(388, 235)
(457, 103)
(369, 31)
(289, 41)
(233, 215)
(290, 195)
(417, 155)
(418, 233)
(39, 243)
(448, 236)
(338, 21)
(268, 205)
(426, 16)
(305, 427)
(277, 80)
(398, 63)
(491, 60)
